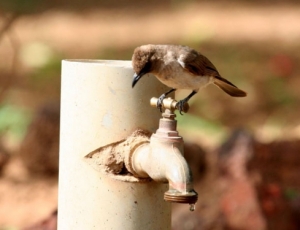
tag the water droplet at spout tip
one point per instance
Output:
(192, 207)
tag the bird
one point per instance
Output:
(179, 67)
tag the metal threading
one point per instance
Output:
(189, 198)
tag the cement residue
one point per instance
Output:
(110, 159)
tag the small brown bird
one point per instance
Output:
(179, 67)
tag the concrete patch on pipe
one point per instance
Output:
(110, 159)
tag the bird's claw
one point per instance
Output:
(160, 101)
(180, 105)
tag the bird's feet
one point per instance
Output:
(182, 106)
(161, 98)
(160, 101)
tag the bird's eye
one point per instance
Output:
(146, 68)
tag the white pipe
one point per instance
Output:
(99, 107)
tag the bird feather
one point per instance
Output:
(228, 87)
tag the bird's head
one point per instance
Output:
(141, 62)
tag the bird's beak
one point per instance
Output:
(136, 78)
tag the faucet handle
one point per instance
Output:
(168, 104)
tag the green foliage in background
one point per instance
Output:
(47, 77)
(21, 6)
(14, 121)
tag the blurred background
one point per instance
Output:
(244, 152)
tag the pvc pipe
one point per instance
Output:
(98, 107)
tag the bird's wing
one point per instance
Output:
(197, 64)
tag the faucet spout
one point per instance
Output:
(162, 160)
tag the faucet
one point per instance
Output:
(162, 159)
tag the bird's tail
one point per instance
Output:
(228, 87)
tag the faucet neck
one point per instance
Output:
(167, 129)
